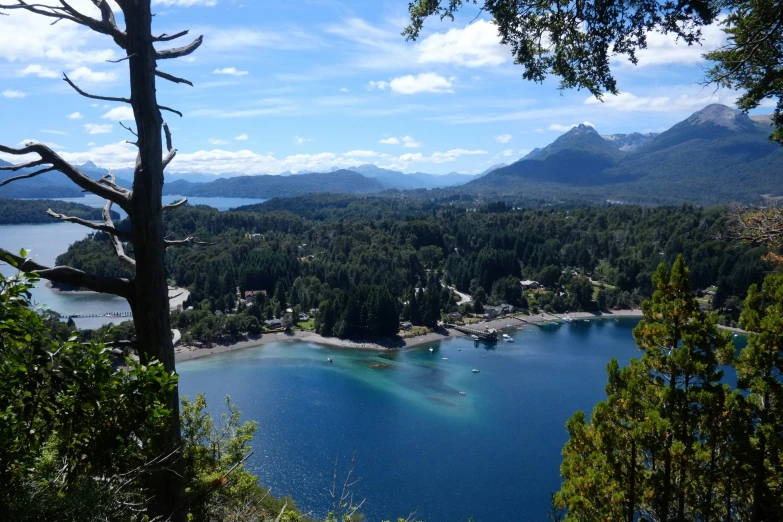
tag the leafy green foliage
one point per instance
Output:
(672, 442)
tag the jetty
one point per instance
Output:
(101, 314)
(484, 335)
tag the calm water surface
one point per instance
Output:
(45, 242)
(219, 203)
(493, 454)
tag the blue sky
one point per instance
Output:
(308, 85)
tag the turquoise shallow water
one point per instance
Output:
(493, 453)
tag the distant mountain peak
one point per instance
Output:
(89, 165)
(722, 116)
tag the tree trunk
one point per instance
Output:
(150, 302)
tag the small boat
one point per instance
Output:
(509, 339)
(475, 337)
(329, 359)
(506, 336)
(432, 350)
(567, 319)
(462, 393)
(585, 320)
(445, 358)
(475, 370)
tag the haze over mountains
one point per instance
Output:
(717, 155)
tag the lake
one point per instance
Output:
(493, 454)
(45, 242)
(219, 203)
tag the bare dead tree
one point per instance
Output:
(343, 506)
(146, 291)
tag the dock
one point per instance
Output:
(484, 335)
(101, 314)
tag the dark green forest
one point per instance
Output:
(18, 212)
(361, 261)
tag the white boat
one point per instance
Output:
(445, 358)
(475, 337)
(329, 359)
(509, 339)
(462, 393)
(586, 320)
(567, 319)
(476, 370)
(506, 336)
(432, 350)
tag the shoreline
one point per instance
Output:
(189, 353)
(177, 296)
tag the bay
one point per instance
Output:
(46, 241)
(492, 454)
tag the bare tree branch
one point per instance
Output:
(93, 96)
(280, 516)
(118, 60)
(167, 38)
(172, 78)
(72, 277)
(26, 176)
(179, 52)
(175, 204)
(85, 223)
(129, 129)
(169, 146)
(115, 240)
(82, 180)
(186, 241)
(35, 163)
(164, 108)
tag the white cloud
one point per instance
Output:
(424, 82)
(119, 114)
(241, 137)
(57, 132)
(410, 142)
(508, 153)
(230, 71)
(49, 144)
(94, 128)
(476, 45)
(503, 138)
(185, 3)
(27, 37)
(664, 49)
(91, 144)
(39, 71)
(360, 154)
(216, 141)
(406, 160)
(75, 116)
(389, 141)
(344, 89)
(12, 93)
(88, 75)
(564, 128)
(299, 140)
(627, 102)
(381, 85)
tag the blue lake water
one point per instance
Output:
(45, 242)
(493, 454)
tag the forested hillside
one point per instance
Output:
(18, 212)
(331, 252)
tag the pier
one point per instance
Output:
(484, 335)
(100, 314)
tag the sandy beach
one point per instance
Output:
(186, 353)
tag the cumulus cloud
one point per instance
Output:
(57, 132)
(476, 45)
(360, 154)
(424, 82)
(75, 116)
(93, 128)
(13, 93)
(665, 49)
(389, 141)
(503, 138)
(381, 86)
(410, 142)
(49, 144)
(216, 141)
(119, 114)
(87, 74)
(230, 71)
(241, 137)
(39, 71)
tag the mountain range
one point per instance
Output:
(717, 155)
